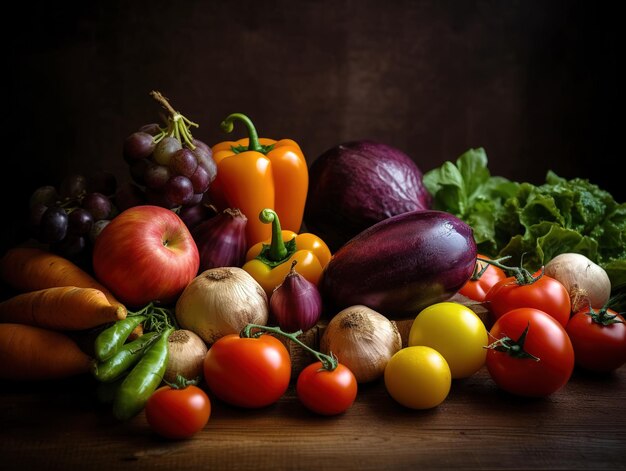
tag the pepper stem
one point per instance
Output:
(277, 250)
(329, 362)
(253, 138)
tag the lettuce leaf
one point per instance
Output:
(532, 223)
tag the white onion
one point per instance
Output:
(586, 282)
(221, 301)
(186, 352)
(363, 340)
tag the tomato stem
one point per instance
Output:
(514, 348)
(476, 274)
(329, 362)
(521, 274)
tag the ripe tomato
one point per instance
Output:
(477, 288)
(178, 413)
(545, 293)
(532, 355)
(247, 372)
(599, 344)
(418, 377)
(456, 332)
(326, 392)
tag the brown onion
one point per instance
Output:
(296, 303)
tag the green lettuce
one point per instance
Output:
(532, 223)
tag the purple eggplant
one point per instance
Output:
(357, 184)
(401, 265)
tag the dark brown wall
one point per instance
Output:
(534, 81)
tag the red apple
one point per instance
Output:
(146, 253)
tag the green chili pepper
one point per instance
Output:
(105, 392)
(143, 379)
(112, 338)
(127, 356)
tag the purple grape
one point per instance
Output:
(156, 176)
(153, 129)
(179, 190)
(205, 160)
(73, 186)
(195, 199)
(34, 219)
(129, 195)
(53, 225)
(203, 146)
(165, 149)
(71, 246)
(138, 145)
(195, 214)
(79, 222)
(138, 170)
(159, 198)
(46, 195)
(183, 162)
(200, 180)
(98, 205)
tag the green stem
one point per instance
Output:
(329, 362)
(253, 144)
(177, 125)
(476, 274)
(522, 276)
(513, 348)
(277, 250)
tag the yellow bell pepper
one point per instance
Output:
(256, 173)
(269, 262)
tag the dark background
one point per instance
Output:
(534, 82)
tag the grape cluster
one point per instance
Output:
(70, 217)
(169, 167)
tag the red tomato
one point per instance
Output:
(248, 372)
(546, 294)
(178, 413)
(326, 392)
(478, 288)
(545, 339)
(598, 347)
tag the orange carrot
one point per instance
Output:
(33, 353)
(30, 269)
(61, 308)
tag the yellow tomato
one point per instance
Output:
(418, 377)
(455, 331)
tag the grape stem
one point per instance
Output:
(178, 126)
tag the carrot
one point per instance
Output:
(61, 308)
(33, 353)
(30, 269)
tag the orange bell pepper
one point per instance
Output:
(257, 173)
(269, 262)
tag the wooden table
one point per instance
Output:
(61, 425)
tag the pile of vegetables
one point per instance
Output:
(386, 286)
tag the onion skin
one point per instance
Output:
(186, 356)
(221, 301)
(586, 282)
(363, 340)
(402, 264)
(357, 184)
(221, 240)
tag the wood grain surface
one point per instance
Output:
(60, 425)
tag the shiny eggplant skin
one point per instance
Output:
(357, 184)
(401, 265)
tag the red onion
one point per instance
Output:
(221, 240)
(296, 303)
